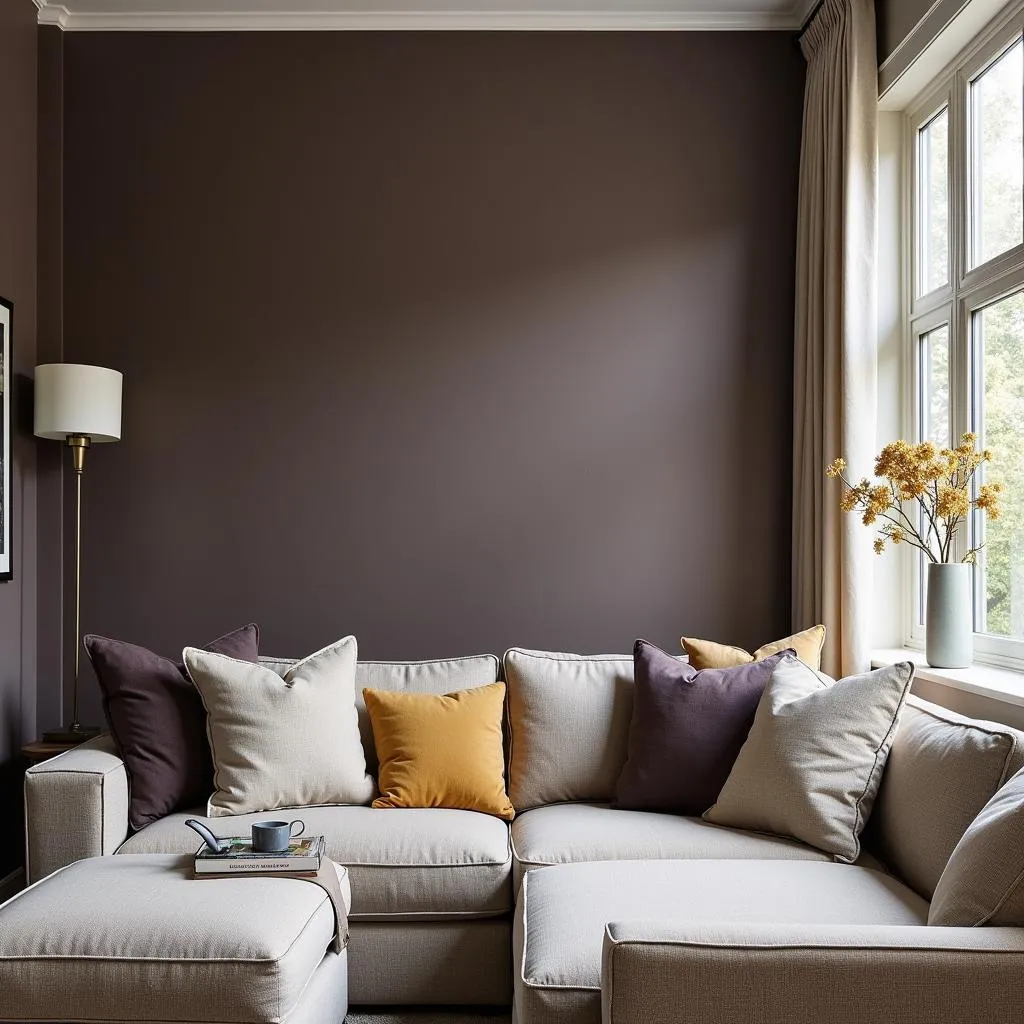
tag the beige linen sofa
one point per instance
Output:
(456, 907)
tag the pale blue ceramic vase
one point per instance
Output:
(949, 619)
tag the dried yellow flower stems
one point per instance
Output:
(938, 479)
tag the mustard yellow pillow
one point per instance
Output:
(440, 750)
(706, 654)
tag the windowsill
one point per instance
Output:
(984, 680)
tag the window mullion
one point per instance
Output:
(960, 230)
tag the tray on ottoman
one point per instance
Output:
(137, 938)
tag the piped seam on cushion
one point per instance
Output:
(1010, 890)
(524, 896)
(423, 865)
(171, 959)
(980, 727)
(746, 947)
(562, 658)
(822, 685)
(268, 659)
(859, 823)
(72, 771)
(1003, 777)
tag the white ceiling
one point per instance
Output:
(529, 15)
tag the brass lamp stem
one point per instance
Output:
(78, 444)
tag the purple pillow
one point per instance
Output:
(687, 729)
(158, 721)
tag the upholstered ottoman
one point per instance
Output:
(563, 911)
(137, 938)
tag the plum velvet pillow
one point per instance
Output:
(158, 721)
(688, 727)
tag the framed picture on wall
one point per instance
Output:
(6, 393)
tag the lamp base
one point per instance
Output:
(73, 734)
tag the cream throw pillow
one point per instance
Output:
(282, 741)
(983, 883)
(812, 762)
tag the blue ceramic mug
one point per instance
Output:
(274, 836)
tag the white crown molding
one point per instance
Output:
(422, 21)
(53, 14)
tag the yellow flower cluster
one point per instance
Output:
(912, 468)
(952, 502)
(988, 500)
(938, 480)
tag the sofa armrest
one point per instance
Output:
(76, 806)
(663, 973)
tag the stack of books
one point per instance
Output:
(302, 856)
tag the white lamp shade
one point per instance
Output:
(75, 399)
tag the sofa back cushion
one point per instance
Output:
(569, 721)
(942, 770)
(984, 880)
(408, 677)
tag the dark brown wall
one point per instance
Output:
(452, 341)
(18, 284)
(52, 460)
(895, 20)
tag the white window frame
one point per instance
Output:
(954, 303)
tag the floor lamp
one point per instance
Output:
(78, 405)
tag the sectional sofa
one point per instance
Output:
(456, 907)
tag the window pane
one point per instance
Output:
(997, 157)
(933, 204)
(998, 354)
(933, 422)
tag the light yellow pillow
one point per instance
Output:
(707, 654)
(440, 750)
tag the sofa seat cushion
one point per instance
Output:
(128, 938)
(571, 833)
(563, 911)
(423, 864)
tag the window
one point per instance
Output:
(997, 336)
(965, 325)
(933, 203)
(996, 159)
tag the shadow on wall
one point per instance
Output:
(11, 789)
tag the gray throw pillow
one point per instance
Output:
(811, 766)
(983, 883)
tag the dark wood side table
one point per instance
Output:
(40, 751)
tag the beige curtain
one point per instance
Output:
(834, 369)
